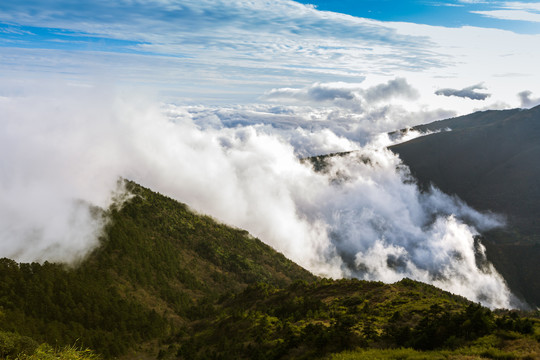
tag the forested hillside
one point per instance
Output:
(308, 321)
(171, 284)
(158, 266)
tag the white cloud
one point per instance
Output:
(527, 101)
(230, 52)
(317, 93)
(362, 217)
(473, 1)
(337, 80)
(513, 10)
(349, 110)
(211, 51)
(342, 93)
(468, 92)
(517, 5)
(478, 58)
(250, 31)
(517, 15)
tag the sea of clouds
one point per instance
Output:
(64, 149)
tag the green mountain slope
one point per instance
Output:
(312, 321)
(490, 160)
(157, 267)
(171, 284)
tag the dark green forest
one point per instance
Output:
(168, 283)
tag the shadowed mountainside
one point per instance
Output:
(490, 159)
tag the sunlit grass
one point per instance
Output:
(47, 352)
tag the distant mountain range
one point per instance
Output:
(491, 160)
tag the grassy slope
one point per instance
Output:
(311, 321)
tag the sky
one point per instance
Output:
(521, 17)
(214, 103)
(234, 52)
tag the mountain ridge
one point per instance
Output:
(490, 160)
(168, 283)
(157, 263)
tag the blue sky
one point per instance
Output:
(441, 13)
(216, 52)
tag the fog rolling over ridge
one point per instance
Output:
(490, 161)
(363, 216)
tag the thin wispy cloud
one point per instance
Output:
(253, 29)
(516, 15)
(232, 52)
(205, 51)
(513, 10)
(473, 1)
(527, 6)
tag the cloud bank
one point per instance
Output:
(363, 217)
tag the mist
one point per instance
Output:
(63, 151)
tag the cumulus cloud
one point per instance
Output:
(468, 92)
(397, 88)
(45, 190)
(361, 217)
(346, 93)
(350, 110)
(65, 150)
(384, 229)
(318, 92)
(526, 100)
